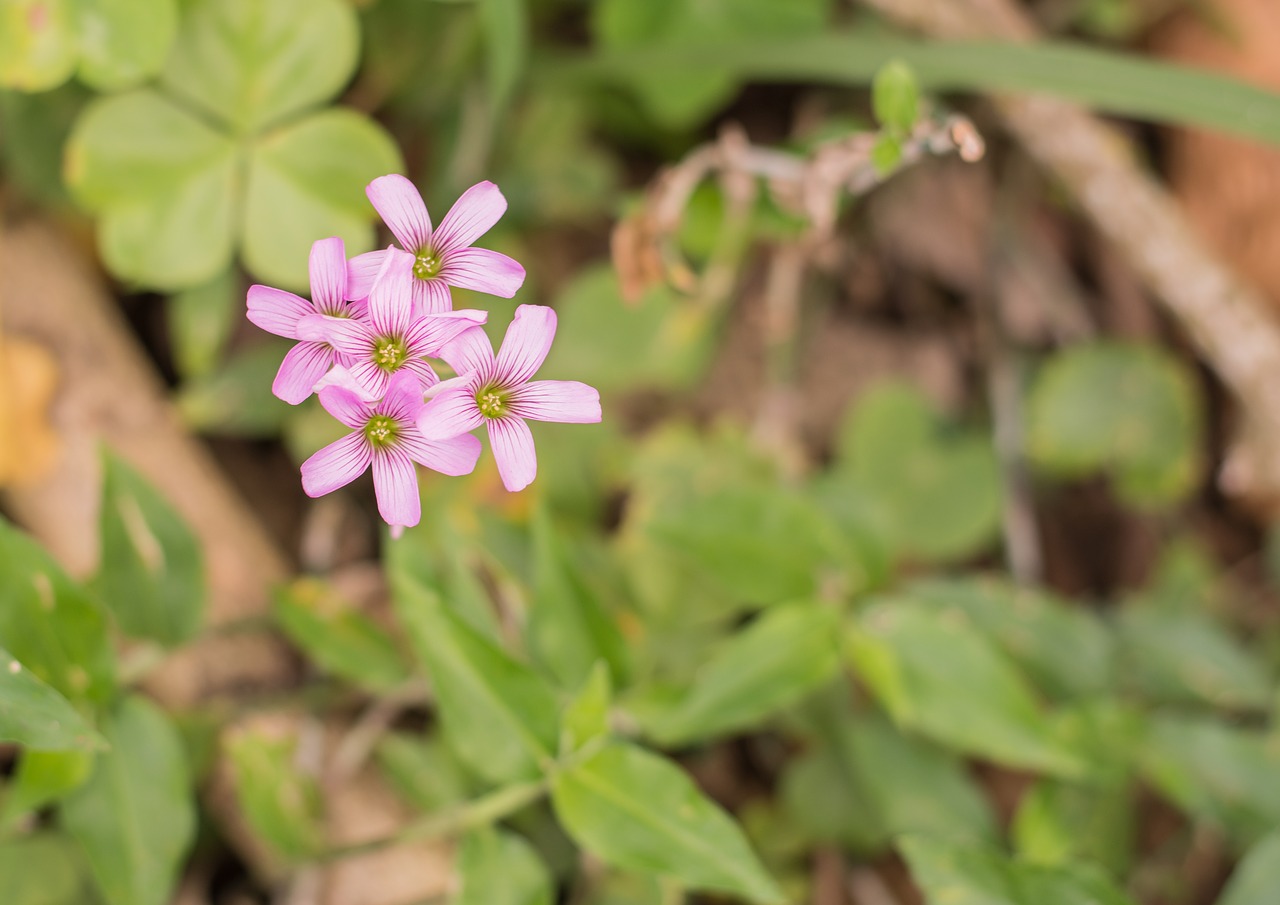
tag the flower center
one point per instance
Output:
(389, 352)
(380, 431)
(492, 401)
(427, 264)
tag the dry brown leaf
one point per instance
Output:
(29, 446)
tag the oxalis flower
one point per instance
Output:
(393, 336)
(443, 257)
(280, 312)
(496, 391)
(384, 435)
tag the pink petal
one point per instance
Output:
(464, 382)
(302, 368)
(277, 311)
(484, 271)
(337, 465)
(340, 376)
(328, 268)
(513, 449)
(526, 344)
(567, 401)
(361, 272)
(429, 334)
(471, 217)
(395, 483)
(404, 396)
(431, 296)
(454, 456)
(391, 298)
(427, 376)
(469, 353)
(346, 406)
(350, 337)
(401, 208)
(449, 414)
(371, 379)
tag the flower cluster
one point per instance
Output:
(366, 337)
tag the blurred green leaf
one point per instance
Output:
(43, 869)
(501, 868)
(423, 770)
(1181, 657)
(34, 715)
(586, 717)
(960, 874)
(42, 778)
(932, 491)
(506, 31)
(1257, 876)
(497, 713)
(35, 127)
(1214, 771)
(236, 398)
(786, 653)
(1059, 823)
(251, 65)
(568, 630)
(339, 638)
(1131, 409)
(886, 154)
(895, 97)
(201, 320)
(37, 43)
(942, 678)
(1065, 649)
(123, 42)
(279, 802)
(50, 624)
(151, 574)
(637, 810)
(135, 818)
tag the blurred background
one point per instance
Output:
(924, 553)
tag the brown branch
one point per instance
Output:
(1228, 320)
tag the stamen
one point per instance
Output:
(381, 431)
(492, 402)
(426, 265)
(389, 353)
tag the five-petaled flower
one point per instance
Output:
(384, 435)
(497, 391)
(280, 312)
(442, 257)
(393, 336)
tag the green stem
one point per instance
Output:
(455, 821)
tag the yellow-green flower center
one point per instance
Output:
(492, 401)
(389, 352)
(427, 264)
(380, 431)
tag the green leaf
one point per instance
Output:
(944, 679)
(1131, 409)
(337, 637)
(37, 44)
(1216, 772)
(50, 624)
(123, 42)
(886, 154)
(506, 32)
(638, 811)
(1057, 823)
(252, 64)
(782, 656)
(1107, 81)
(423, 770)
(586, 718)
(281, 804)
(42, 778)
(201, 320)
(1181, 657)
(152, 567)
(164, 184)
(307, 180)
(236, 398)
(895, 97)
(135, 818)
(932, 490)
(1257, 876)
(568, 630)
(500, 868)
(1063, 647)
(34, 715)
(498, 714)
(43, 869)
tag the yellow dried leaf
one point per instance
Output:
(29, 445)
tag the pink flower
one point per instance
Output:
(393, 336)
(280, 312)
(443, 257)
(497, 392)
(384, 434)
